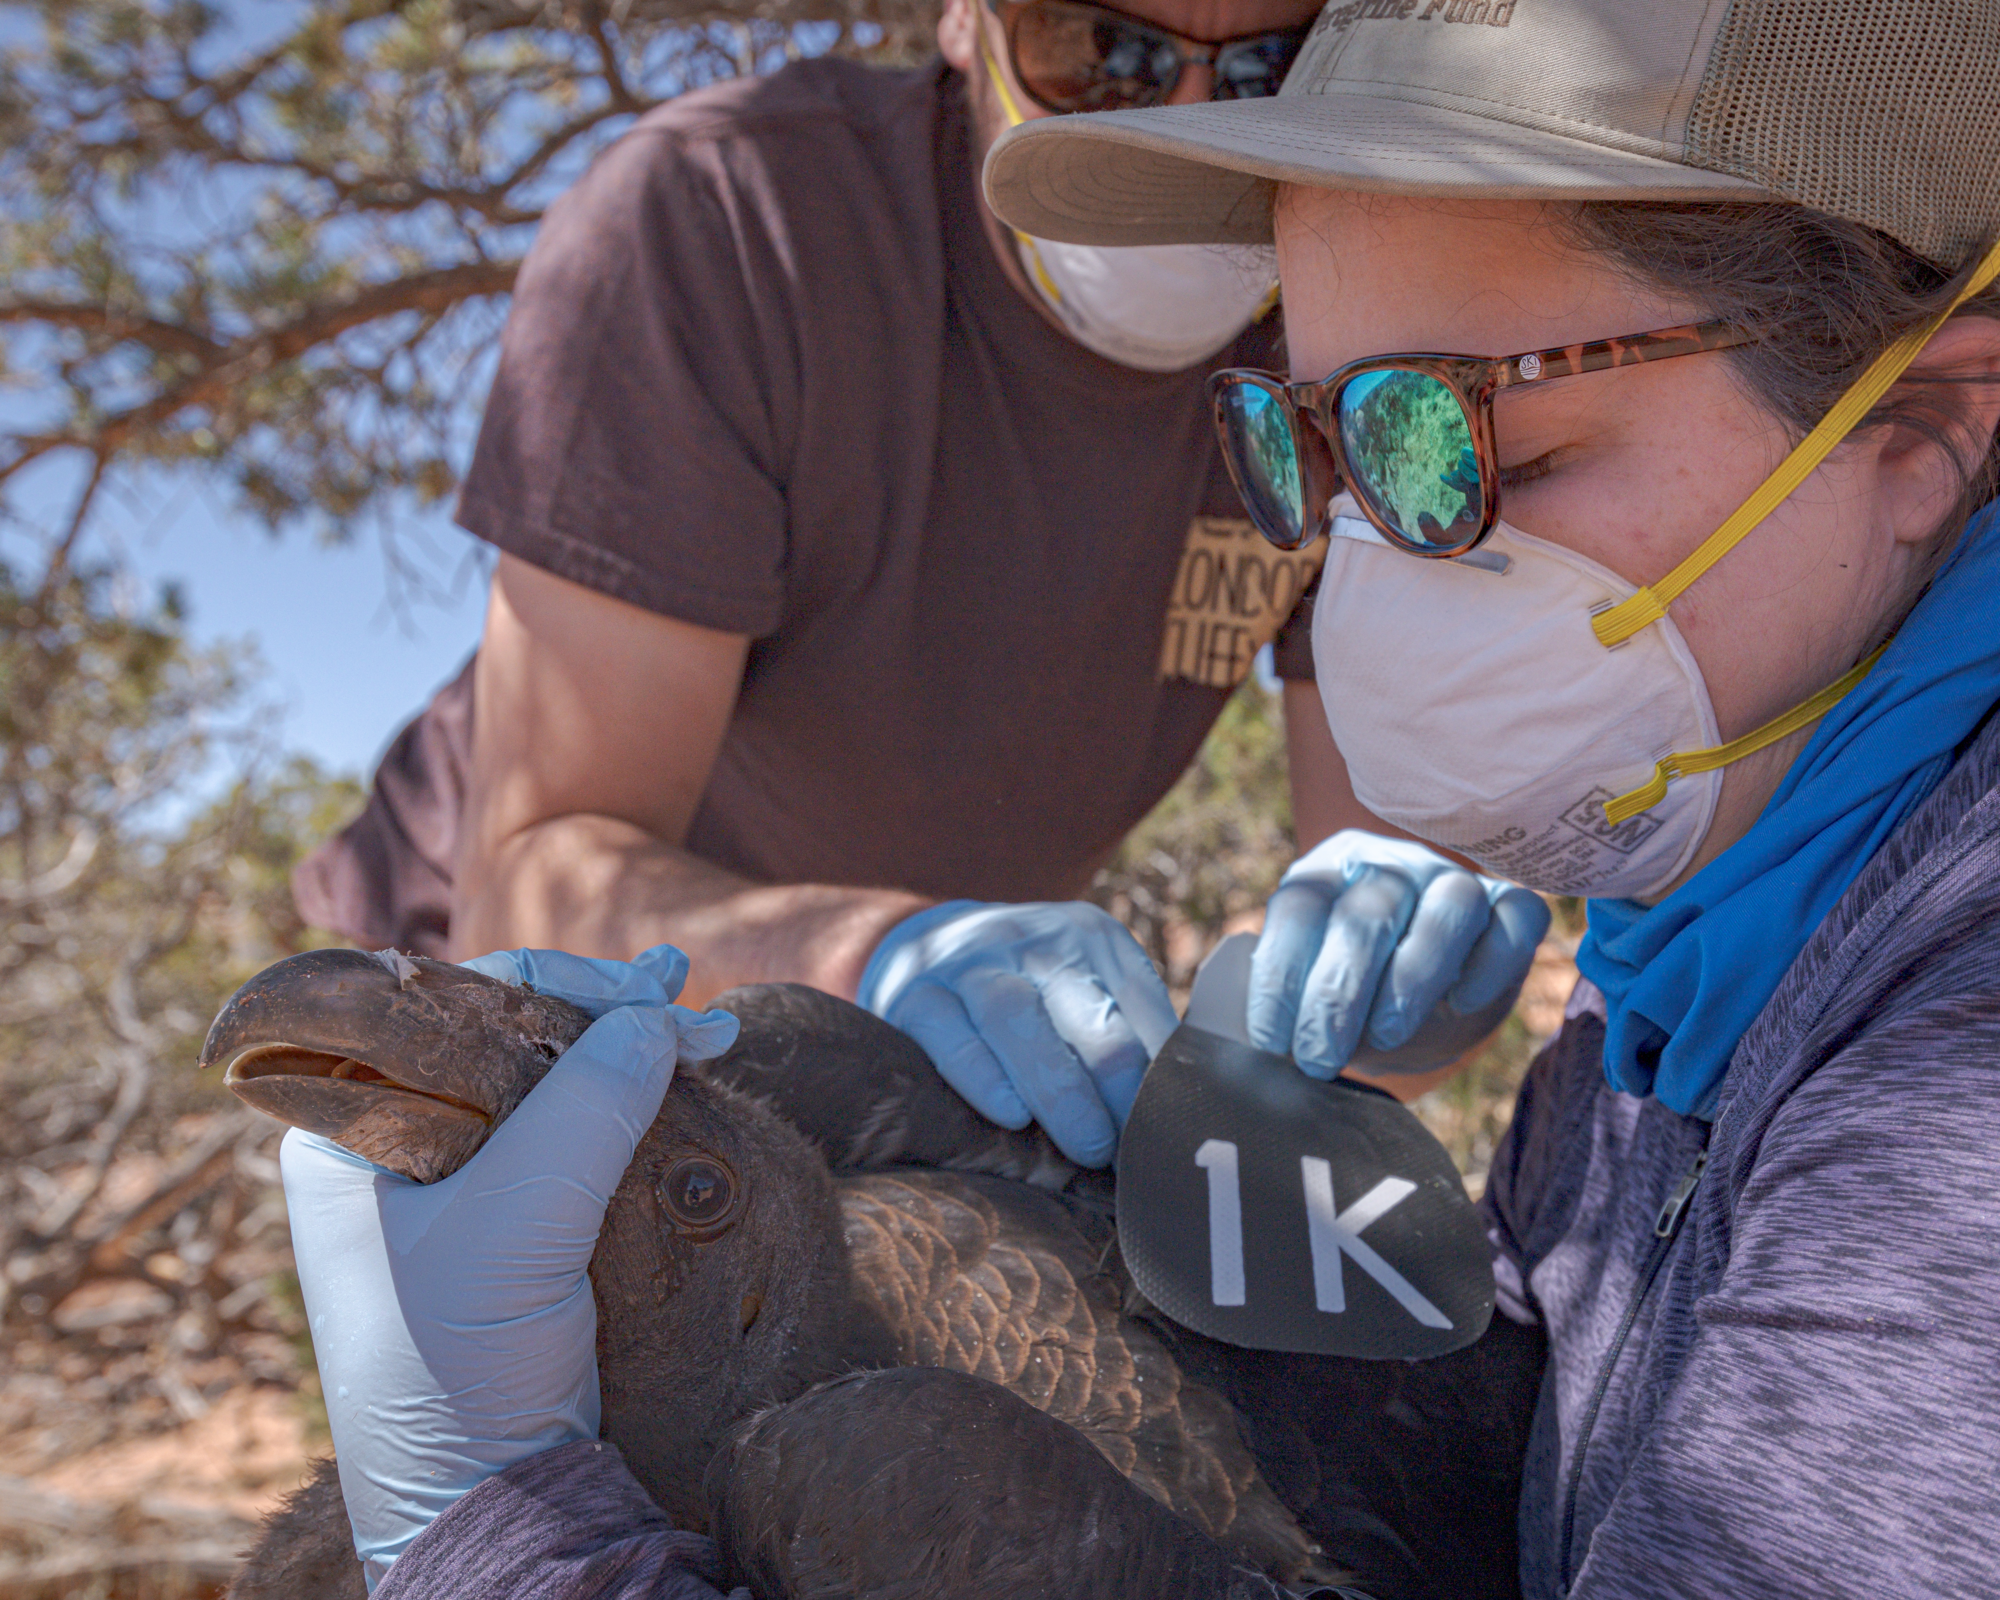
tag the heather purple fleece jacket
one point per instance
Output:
(1808, 1400)
(569, 1523)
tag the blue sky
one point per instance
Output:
(350, 649)
(351, 652)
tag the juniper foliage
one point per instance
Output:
(275, 243)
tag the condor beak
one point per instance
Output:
(409, 1063)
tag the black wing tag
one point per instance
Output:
(1263, 1208)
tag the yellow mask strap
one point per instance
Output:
(1008, 104)
(1031, 258)
(1617, 624)
(1681, 763)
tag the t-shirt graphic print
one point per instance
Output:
(1233, 592)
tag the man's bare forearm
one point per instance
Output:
(602, 887)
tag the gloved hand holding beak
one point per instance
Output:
(453, 1322)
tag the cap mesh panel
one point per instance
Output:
(1885, 112)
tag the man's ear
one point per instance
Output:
(1951, 410)
(958, 42)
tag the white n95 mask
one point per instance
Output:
(1159, 308)
(1475, 707)
(1156, 307)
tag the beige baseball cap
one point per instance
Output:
(1885, 112)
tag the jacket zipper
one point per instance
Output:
(1666, 1228)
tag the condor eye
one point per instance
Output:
(699, 1193)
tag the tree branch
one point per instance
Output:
(59, 556)
(168, 337)
(622, 97)
(435, 292)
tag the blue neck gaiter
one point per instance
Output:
(1684, 979)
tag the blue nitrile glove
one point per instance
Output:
(1385, 943)
(453, 1322)
(1043, 1013)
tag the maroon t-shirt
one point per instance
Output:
(762, 373)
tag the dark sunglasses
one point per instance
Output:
(1074, 57)
(1410, 436)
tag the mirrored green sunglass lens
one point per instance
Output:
(1409, 447)
(1267, 461)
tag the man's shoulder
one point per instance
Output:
(816, 146)
(810, 99)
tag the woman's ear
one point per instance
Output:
(957, 41)
(1948, 410)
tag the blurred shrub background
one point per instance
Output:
(270, 245)
(147, 827)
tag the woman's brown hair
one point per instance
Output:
(1824, 298)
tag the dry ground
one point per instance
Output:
(160, 1516)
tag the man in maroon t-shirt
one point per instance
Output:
(867, 571)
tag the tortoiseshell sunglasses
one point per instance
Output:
(1411, 436)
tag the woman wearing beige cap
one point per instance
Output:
(1673, 583)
